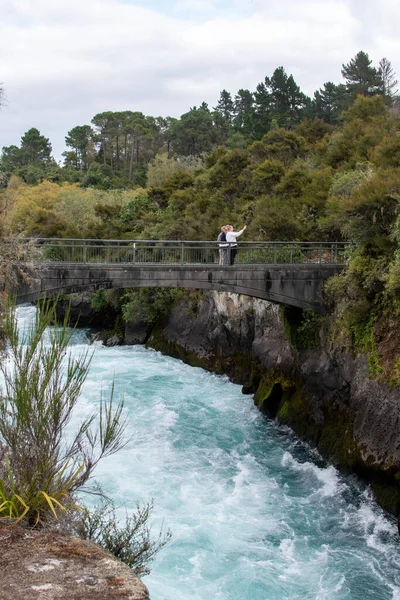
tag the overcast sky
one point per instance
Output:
(63, 61)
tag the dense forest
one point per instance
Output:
(115, 150)
(289, 166)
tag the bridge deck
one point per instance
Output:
(290, 273)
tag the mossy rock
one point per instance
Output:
(295, 411)
(337, 441)
(272, 391)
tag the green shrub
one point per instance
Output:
(132, 542)
(98, 300)
(308, 331)
(147, 304)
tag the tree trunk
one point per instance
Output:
(131, 161)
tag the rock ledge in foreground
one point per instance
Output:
(49, 565)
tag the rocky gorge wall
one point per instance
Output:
(325, 395)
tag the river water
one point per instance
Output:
(255, 514)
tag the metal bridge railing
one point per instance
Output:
(176, 252)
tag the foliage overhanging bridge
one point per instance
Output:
(288, 273)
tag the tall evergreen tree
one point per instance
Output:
(262, 108)
(243, 119)
(102, 122)
(194, 132)
(35, 148)
(279, 102)
(222, 128)
(225, 106)
(288, 102)
(361, 77)
(329, 101)
(222, 117)
(388, 75)
(138, 130)
(79, 139)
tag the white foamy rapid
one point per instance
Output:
(255, 514)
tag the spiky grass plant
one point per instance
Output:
(40, 466)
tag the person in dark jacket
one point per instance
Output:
(223, 246)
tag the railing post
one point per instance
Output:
(275, 254)
(73, 251)
(229, 254)
(182, 253)
(84, 251)
(291, 253)
(134, 253)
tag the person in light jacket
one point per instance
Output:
(223, 246)
(231, 237)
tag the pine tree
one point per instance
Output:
(79, 139)
(279, 101)
(35, 148)
(329, 101)
(225, 106)
(243, 119)
(388, 75)
(361, 77)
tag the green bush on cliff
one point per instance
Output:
(308, 330)
(302, 327)
(98, 300)
(147, 304)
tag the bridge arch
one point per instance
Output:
(299, 286)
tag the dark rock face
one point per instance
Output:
(136, 333)
(374, 407)
(229, 334)
(82, 313)
(376, 410)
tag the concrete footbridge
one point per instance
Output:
(288, 273)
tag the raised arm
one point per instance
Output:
(237, 233)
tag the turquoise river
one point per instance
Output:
(255, 513)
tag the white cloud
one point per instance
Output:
(201, 6)
(64, 61)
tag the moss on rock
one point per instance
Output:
(337, 440)
(272, 391)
